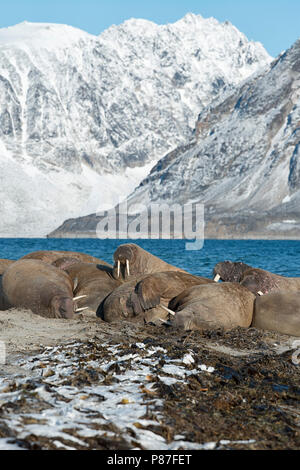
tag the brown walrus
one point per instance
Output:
(147, 299)
(93, 281)
(156, 290)
(131, 262)
(279, 311)
(209, 306)
(229, 271)
(52, 256)
(40, 287)
(4, 263)
(65, 262)
(3, 303)
(260, 282)
(114, 306)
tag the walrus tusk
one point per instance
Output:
(127, 267)
(167, 309)
(81, 309)
(217, 278)
(119, 268)
(79, 297)
(260, 292)
(165, 322)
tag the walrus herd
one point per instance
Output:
(141, 287)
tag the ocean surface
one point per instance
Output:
(278, 256)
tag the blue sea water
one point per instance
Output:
(278, 256)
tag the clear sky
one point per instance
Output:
(275, 23)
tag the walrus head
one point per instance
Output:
(258, 281)
(62, 307)
(125, 262)
(229, 271)
(114, 308)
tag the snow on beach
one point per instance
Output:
(85, 384)
(115, 406)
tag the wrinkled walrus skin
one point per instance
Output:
(225, 305)
(40, 287)
(264, 282)
(279, 311)
(158, 289)
(131, 262)
(52, 256)
(93, 280)
(142, 300)
(229, 271)
(258, 281)
(114, 306)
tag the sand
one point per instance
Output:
(25, 332)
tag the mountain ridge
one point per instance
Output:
(83, 118)
(243, 162)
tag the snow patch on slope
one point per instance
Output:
(49, 36)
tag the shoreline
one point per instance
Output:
(86, 236)
(69, 236)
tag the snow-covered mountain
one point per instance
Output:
(243, 161)
(83, 118)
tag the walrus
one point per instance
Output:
(114, 306)
(261, 282)
(52, 256)
(93, 282)
(210, 306)
(4, 263)
(278, 311)
(40, 287)
(147, 299)
(65, 262)
(229, 271)
(131, 262)
(3, 302)
(156, 290)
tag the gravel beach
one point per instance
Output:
(86, 384)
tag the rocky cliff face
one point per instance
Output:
(244, 162)
(84, 118)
